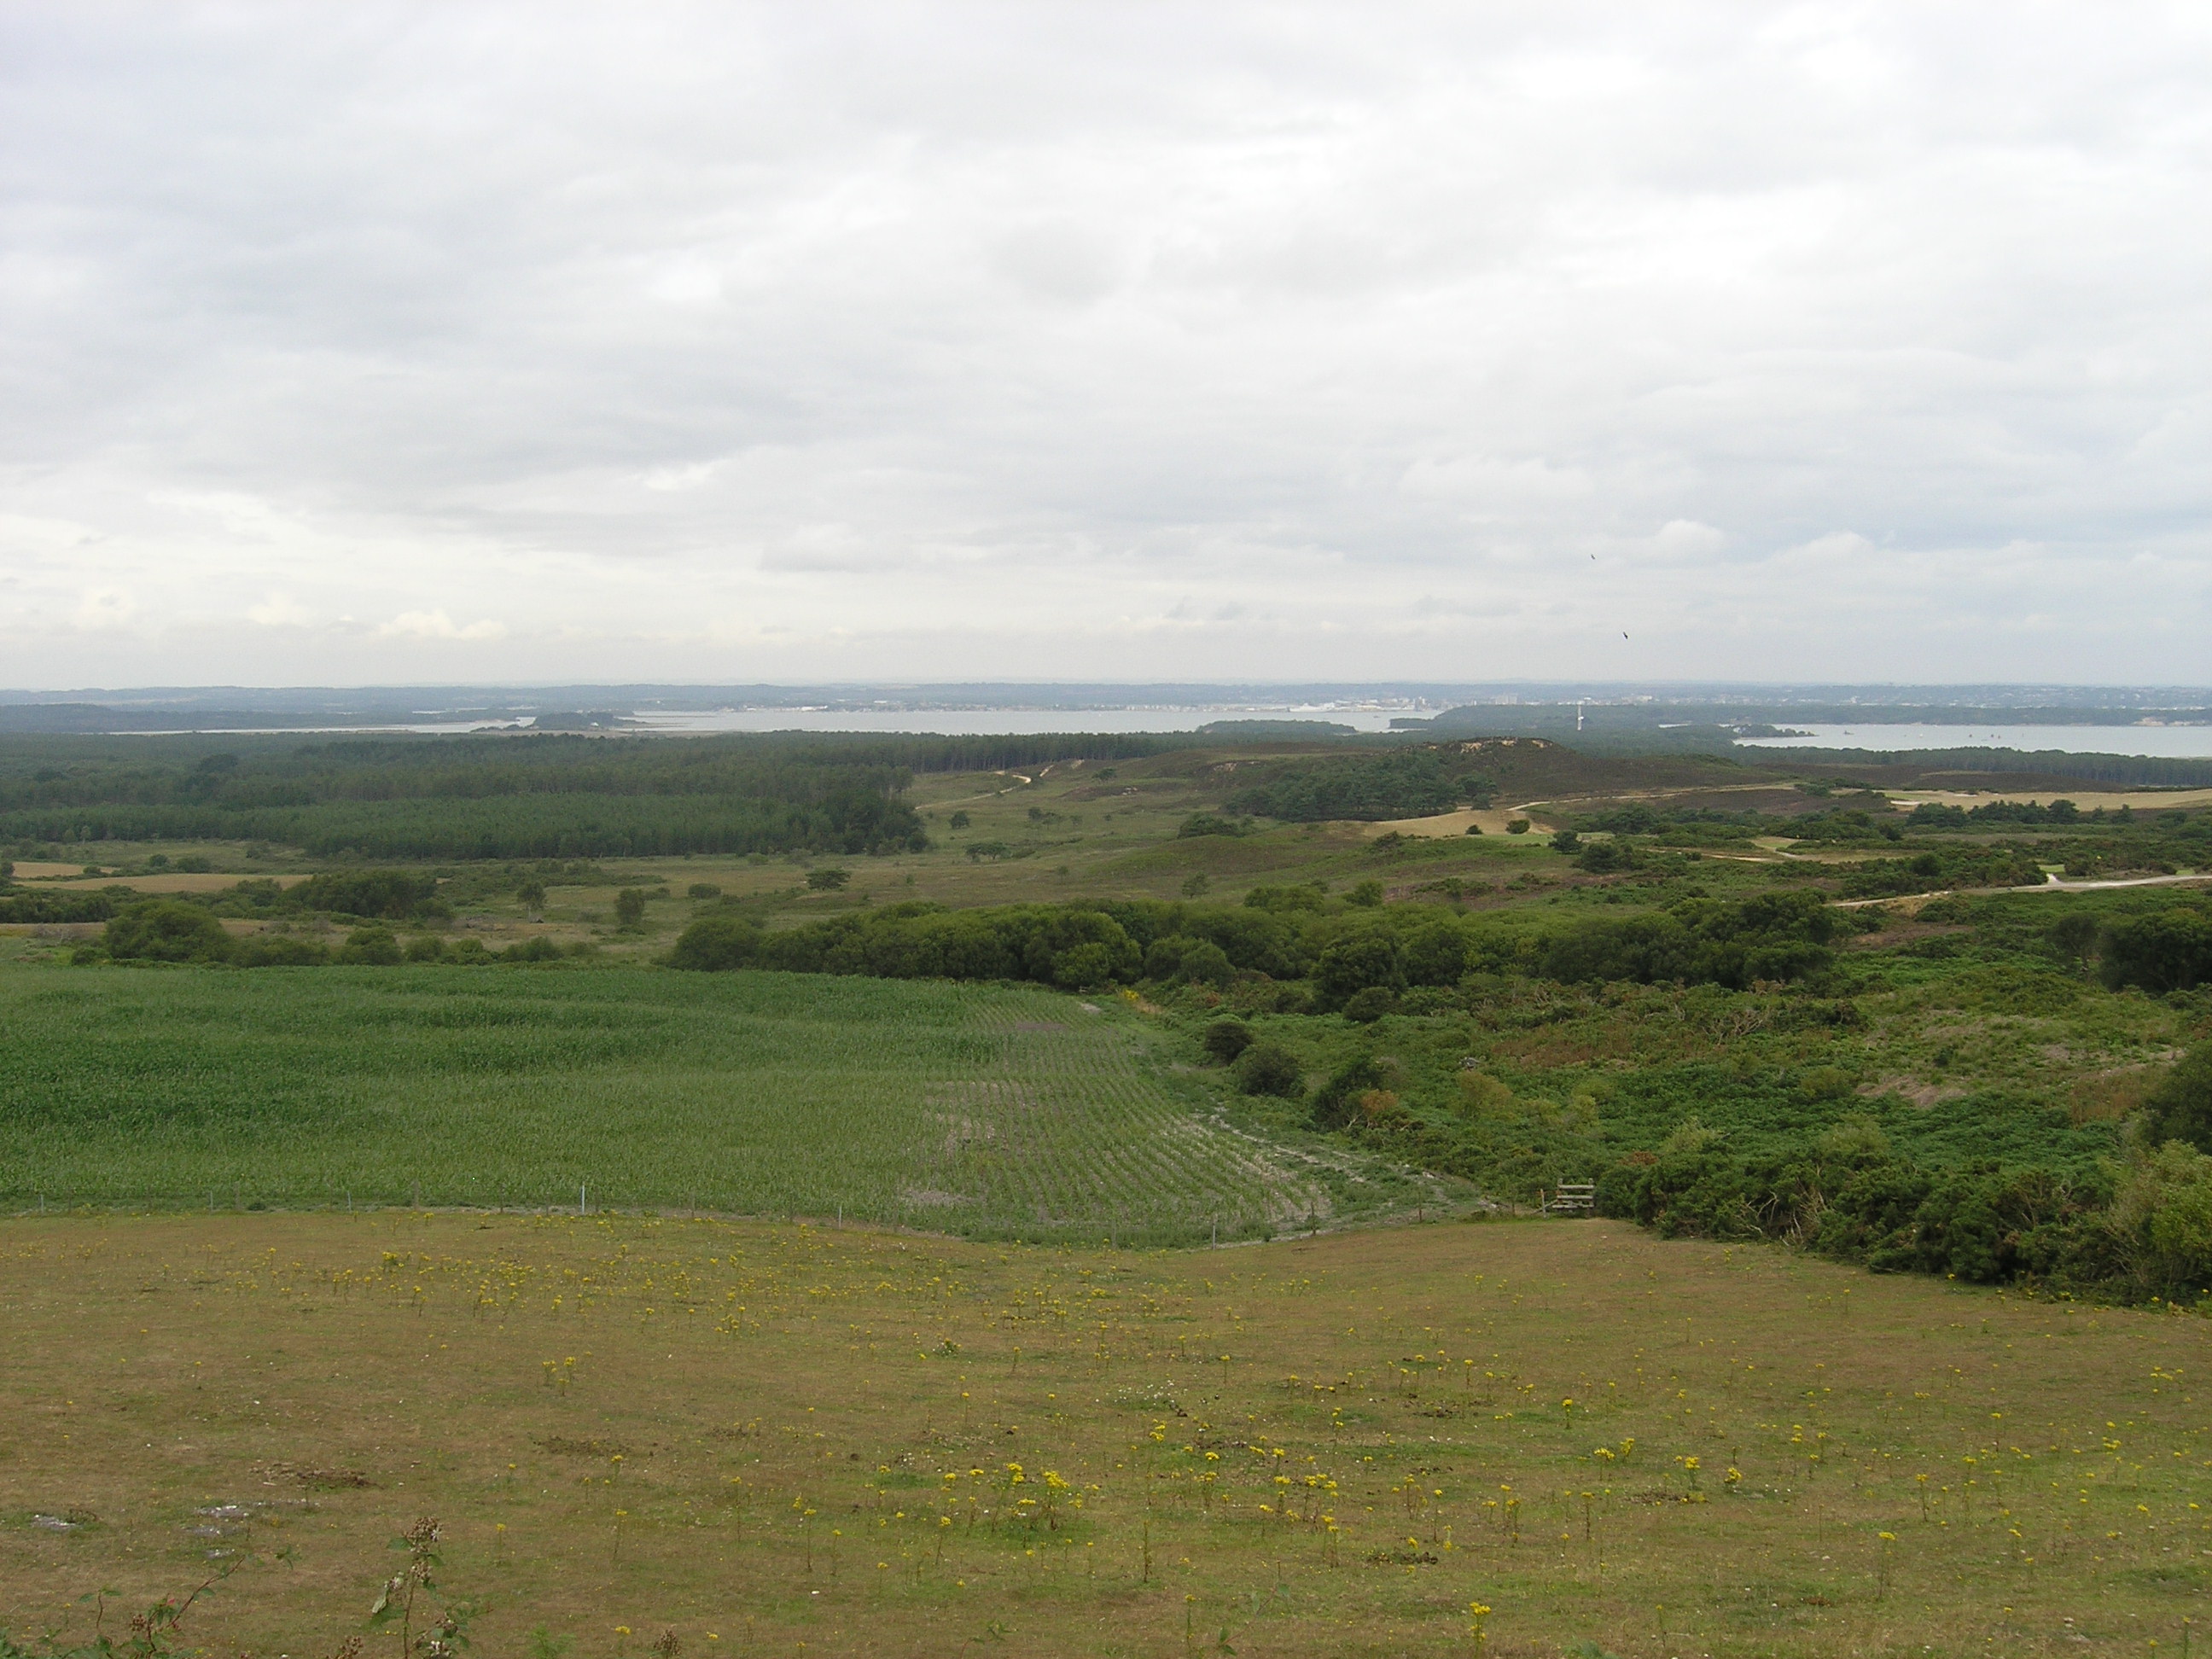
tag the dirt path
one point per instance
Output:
(2055, 885)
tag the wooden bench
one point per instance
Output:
(1572, 1198)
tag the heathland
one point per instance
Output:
(694, 1060)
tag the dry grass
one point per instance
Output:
(202, 881)
(786, 1440)
(2089, 800)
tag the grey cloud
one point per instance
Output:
(976, 339)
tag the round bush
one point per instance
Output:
(372, 947)
(714, 943)
(1226, 1039)
(166, 931)
(1204, 963)
(1084, 968)
(1268, 1069)
(1365, 1007)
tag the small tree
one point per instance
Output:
(827, 881)
(629, 907)
(958, 821)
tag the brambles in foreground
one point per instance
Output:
(882, 1444)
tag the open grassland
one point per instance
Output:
(783, 1439)
(965, 1108)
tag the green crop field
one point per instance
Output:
(964, 1109)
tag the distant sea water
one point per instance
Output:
(2167, 742)
(940, 722)
(995, 722)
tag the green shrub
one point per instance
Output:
(162, 930)
(2167, 950)
(2162, 1214)
(1208, 823)
(1335, 1101)
(1190, 961)
(1269, 1068)
(278, 950)
(1406, 784)
(1365, 1007)
(2180, 1108)
(391, 895)
(370, 947)
(1226, 1039)
(1084, 967)
(1355, 963)
(714, 943)
(1308, 897)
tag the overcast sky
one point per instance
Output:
(452, 342)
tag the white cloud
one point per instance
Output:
(278, 611)
(105, 607)
(1686, 538)
(1299, 340)
(437, 625)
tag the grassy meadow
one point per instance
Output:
(766, 1439)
